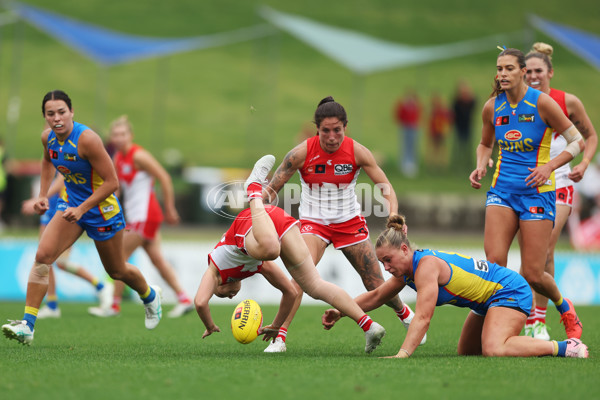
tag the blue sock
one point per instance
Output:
(564, 307)
(52, 304)
(30, 318)
(99, 286)
(562, 348)
(150, 297)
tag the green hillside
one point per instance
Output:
(200, 102)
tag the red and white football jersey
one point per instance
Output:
(328, 183)
(137, 187)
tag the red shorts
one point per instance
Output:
(243, 223)
(341, 235)
(146, 229)
(564, 196)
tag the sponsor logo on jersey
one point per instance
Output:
(526, 117)
(502, 120)
(70, 157)
(320, 169)
(328, 162)
(63, 170)
(314, 158)
(126, 169)
(342, 169)
(513, 135)
(53, 154)
(536, 210)
(108, 208)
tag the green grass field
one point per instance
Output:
(79, 356)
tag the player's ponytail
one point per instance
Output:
(394, 235)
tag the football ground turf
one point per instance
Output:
(82, 357)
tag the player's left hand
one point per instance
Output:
(539, 176)
(210, 331)
(270, 332)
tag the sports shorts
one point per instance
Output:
(530, 207)
(564, 196)
(342, 235)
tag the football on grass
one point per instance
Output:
(246, 321)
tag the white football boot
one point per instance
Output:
(540, 331)
(47, 312)
(276, 346)
(373, 337)
(576, 349)
(260, 171)
(180, 309)
(154, 309)
(19, 331)
(105, 295)
(103, 312)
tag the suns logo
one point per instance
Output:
(63, 170)
(513, 135)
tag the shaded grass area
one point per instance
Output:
(79, 356)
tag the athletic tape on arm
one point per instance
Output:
(573, 136)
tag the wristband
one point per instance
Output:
(407, 353)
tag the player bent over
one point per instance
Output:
(261, 234)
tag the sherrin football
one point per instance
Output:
(246, 321)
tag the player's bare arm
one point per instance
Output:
(293, 161)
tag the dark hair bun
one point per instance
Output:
(328, 99)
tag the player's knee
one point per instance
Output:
(39, 273)
(269, 249)
(534, 278)
(118, 275)
(43, 256)
(491, 350)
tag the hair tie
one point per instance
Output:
(501, 48)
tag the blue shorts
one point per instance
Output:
(98, 229)
(516, 295)
(47, 216)
(529, 207)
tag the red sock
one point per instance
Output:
(254, 190)
(282, 334)
(365, 322)
(540, 314)
(183, 298)
(531, 318)
(404, 313)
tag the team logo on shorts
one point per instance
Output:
(536, 210)
(104, 229)
(306, 228)
(342, 169)
(513, 135)
(526, 117)
(502, 120)
(63, 170)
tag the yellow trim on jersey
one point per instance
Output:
(529, 104)
(470, 286)
(71, 143)
(52, 140)
(498, 164)
(544, 157)
(500, 107)
(108, 207)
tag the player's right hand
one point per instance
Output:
(330, 317)
(41, 205)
